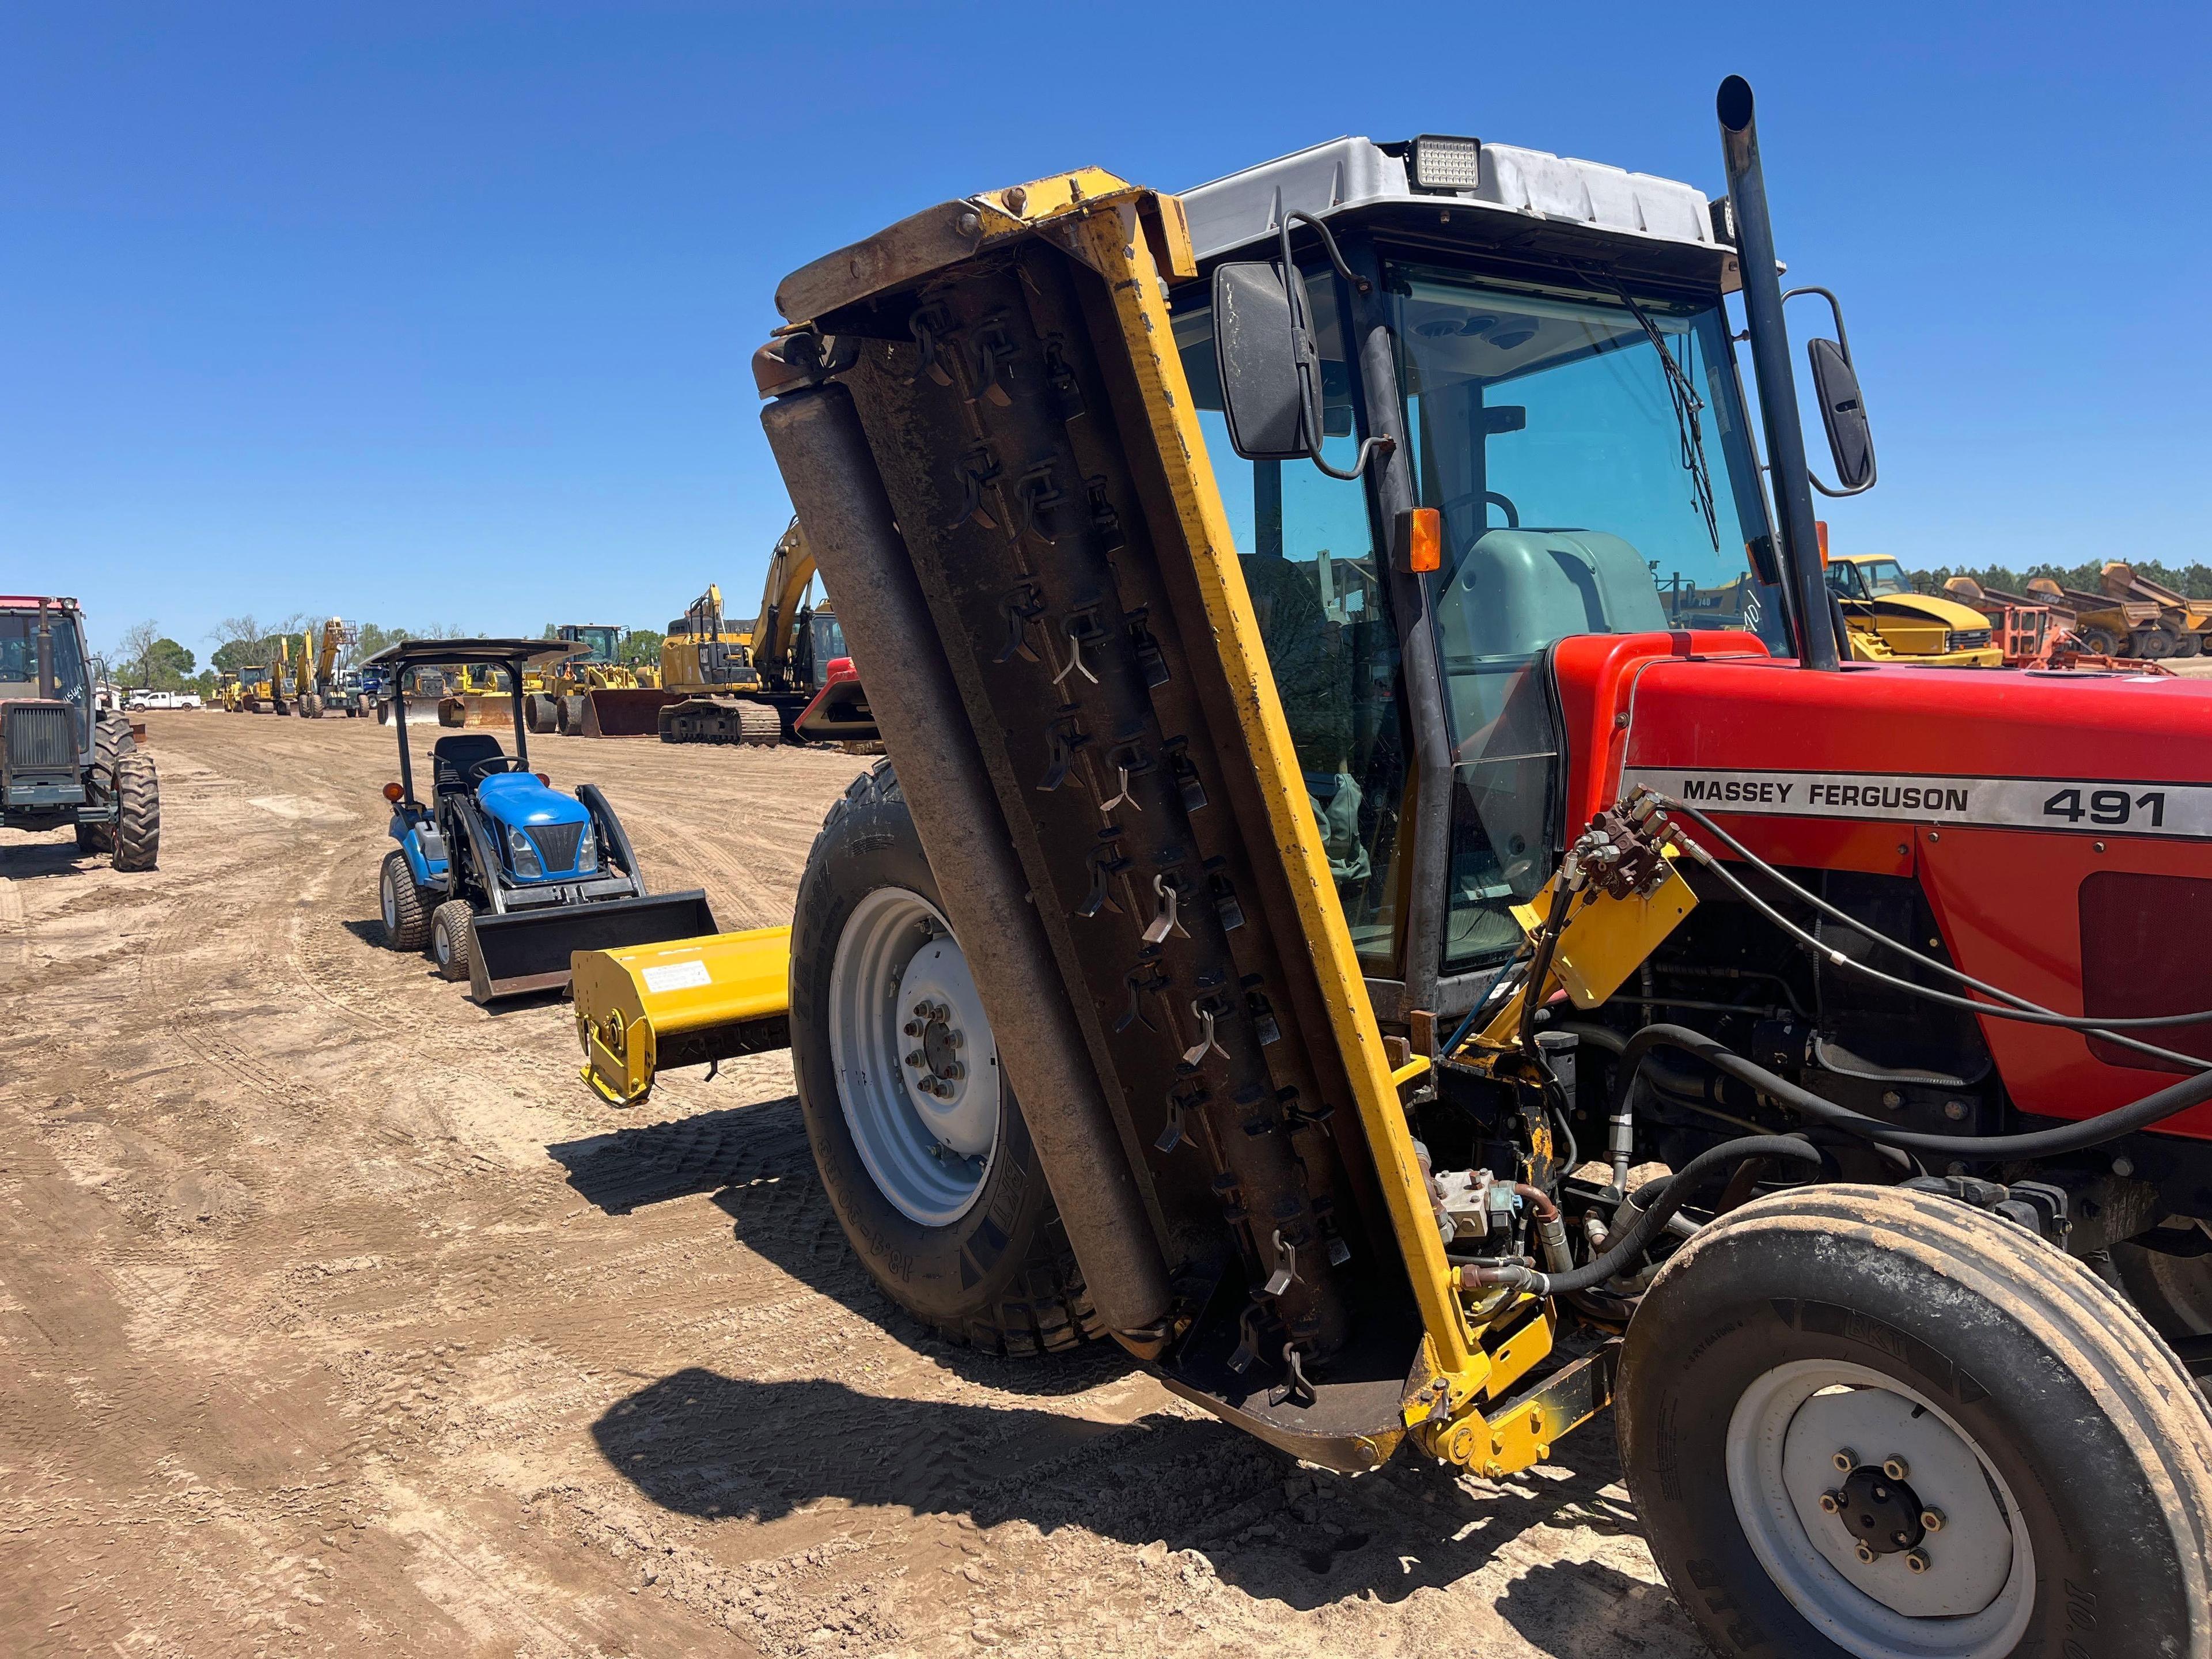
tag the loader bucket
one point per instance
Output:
(609, 712)
(526, 951)
(494, 709)
(640, 1012)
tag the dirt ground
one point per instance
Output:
(338, 1316)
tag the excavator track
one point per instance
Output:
(722, 719)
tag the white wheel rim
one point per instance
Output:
(444, 945)
(391, 902)
(1973, 1599)
(923, 1104)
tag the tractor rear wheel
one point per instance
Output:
(1865, 1421)
(921, 1146)
(137, 812)
(406, 918)
(451, 941)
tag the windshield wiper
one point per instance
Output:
(1688, 406)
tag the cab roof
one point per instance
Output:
(408, 653)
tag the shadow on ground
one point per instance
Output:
(755, 1162)
(716, 1447)
(59, 857)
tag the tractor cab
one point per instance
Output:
(503, 876)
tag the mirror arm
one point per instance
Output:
(1359, 284)
(1294, 287)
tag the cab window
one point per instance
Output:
(1307, 547)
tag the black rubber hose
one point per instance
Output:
(1656, 1205)
(2041, 1143)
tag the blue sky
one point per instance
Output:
(442, 313)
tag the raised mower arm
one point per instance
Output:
(1230, 1156)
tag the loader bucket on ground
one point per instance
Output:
(624, 713)
(494, 709)
(526, 951)
(421, 709)
(640, 1012)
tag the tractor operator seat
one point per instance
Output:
(453, 757)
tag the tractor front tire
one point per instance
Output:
(944, 1200)
(399, 901)
(451, 941)
(311, 706)
(1863, 1421)
(111, 741)
(137, 813)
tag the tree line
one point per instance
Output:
(147, 658)
(2190, 580)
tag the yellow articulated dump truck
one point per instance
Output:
(1320, 928)
(1889, 621)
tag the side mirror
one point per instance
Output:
(1258, 351)
(1843, 409)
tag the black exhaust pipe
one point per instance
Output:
(1778, 386)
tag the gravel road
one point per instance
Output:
(338, 1316)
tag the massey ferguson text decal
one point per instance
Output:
(2093, 807)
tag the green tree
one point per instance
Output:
(166, 665)
(639, 646)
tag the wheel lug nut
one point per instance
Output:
(1846, 1460)
(953, 1071)
(915, 1058)
(1866, 1554)
(1830, 1504)
(954, 1038)
(912, 1028)
(1895, 1467)
(1932, 1519)
(1916, 1561)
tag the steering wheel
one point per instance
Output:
(1488, 497)
(488, 767)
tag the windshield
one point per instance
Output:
(19, 655)
(1883, 576)
(1588, 485)
(603, 642)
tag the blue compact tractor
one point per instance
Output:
(503, 876)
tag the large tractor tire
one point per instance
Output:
(2155, 644)
(137, 813)
(541, 713)
(2102, 642)
(399, 903)
(311, 706)
(921, 1147)
(2173, 1292)
(1868, 1422)
(111, 741)
(452, 944)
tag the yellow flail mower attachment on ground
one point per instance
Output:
(694, 1002)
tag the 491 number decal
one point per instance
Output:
(2092, 806)
(2110, 807)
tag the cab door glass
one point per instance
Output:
(1306, 545)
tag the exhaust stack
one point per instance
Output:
(1778, 385)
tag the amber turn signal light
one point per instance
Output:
(1421, 540)
(392, 792)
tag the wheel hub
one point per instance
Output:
(1883, 1514)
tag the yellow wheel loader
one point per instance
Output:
(570, 698)
(1411, 1027)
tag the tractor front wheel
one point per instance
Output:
(406, 918)
(137, 813)
(451, 941)
(921, 1143)
(1868, 1422)
(111, 741)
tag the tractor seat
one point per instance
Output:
(454, 755)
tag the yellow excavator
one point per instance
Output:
(723, 683)
(322, 687)
(1417, 1027)
(266, 688)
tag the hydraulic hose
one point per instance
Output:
(2152, 1108)
(1656, 1204)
